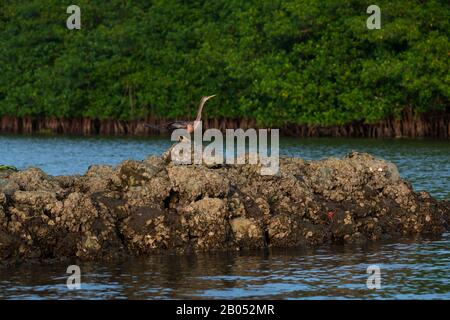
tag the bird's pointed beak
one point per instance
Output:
(211, 96)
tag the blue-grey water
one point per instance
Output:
(410, 268)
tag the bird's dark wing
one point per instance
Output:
(170, 126)
(178, 125)
(161, 127)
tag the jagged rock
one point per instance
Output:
(248, 232)
(144, 207)
(34, 179)
(150, 229)
(207, 223)
(197, 183)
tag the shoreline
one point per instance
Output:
(435, 125)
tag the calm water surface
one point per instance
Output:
(411, 268)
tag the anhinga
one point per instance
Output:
(190, 126)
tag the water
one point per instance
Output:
(410, 268)
(426, 163)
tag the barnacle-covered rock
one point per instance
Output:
(153, 206)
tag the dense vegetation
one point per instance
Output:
(276, 61)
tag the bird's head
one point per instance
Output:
(209, 97)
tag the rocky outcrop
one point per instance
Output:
(144, 207)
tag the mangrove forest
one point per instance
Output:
(291, 63)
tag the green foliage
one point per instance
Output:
(275, 61)
(5, 167)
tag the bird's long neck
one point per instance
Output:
(200, 109)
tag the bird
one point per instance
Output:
(190, 126)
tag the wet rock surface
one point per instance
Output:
(152, 206)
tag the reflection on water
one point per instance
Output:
(409, 269)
